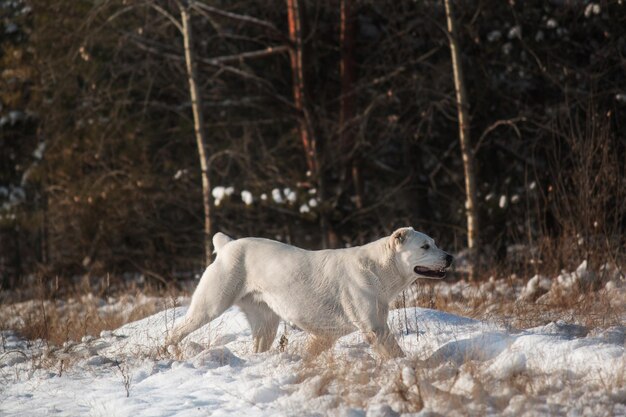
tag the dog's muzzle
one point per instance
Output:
(430, 273)
(434, 273)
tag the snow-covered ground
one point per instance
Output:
(454, 366)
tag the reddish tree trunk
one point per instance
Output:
(297, 71)
(347, 102)
(305, 123)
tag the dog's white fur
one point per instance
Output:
(328, 293)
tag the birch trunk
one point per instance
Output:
(464, 137)
(196, 106)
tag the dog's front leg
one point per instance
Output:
(368, 311)
(374, 326)
(384, 342)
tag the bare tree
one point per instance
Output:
(196, 106)
(464, 138)
(221, 63)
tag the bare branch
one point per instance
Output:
(250, 55)
(379, 202)
(219, 62)
(168, 16)
(507, 122)
(200, 7)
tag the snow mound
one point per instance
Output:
(127, 371)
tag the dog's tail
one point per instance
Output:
(220, 240)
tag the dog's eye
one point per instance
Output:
(426, 246)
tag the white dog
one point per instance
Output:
(328, 293)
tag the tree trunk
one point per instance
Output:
(347, 100)
(196, 106)
(305, 123)
(297, 71)
(464, 137)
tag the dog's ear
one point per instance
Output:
(399, 236)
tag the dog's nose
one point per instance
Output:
(449, 259)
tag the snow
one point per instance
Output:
(17, 195)
(219, 193)
(536, 286)
(570, 281)
(540, 36)
(277, 196)
(246, 197)
(126, 372)
(515, 32)
(290, 195)
(13, 117)
(182, 172)
(16, 116)
(10, 28)
(592, 8)
(502, 203)
(494, 35)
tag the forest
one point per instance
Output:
(132, 130)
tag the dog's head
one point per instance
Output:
(417, 255)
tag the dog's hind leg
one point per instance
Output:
(214, 295)
(189, 323)
(263, 322)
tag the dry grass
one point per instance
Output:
(456, 388)
(61, 316)
(57, 320)
(487, 301)
(354, 381)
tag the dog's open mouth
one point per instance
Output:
(430, 273)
